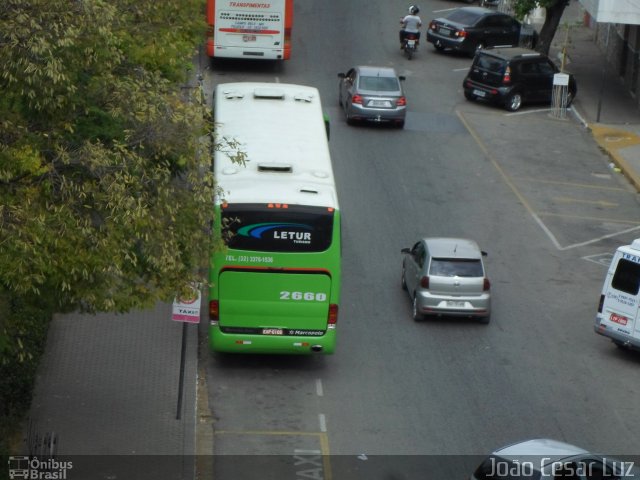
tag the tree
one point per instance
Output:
(553, 9)
(105, 180)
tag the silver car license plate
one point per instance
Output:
(454, 304)
(380, 103)
(479, 93)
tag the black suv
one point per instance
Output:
(513, 76)
(469, 29)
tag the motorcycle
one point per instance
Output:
(410, 45)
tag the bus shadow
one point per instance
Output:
(268, 362)
(239, 65)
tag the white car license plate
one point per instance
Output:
(380, 103)
(479, 93)
(248, 38)
(444, 31)
(454, 304)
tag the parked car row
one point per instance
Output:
(502, 73)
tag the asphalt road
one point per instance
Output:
(401, 399)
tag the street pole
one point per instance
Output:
(182, 361)
(604, 72)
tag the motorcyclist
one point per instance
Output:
(410, 24)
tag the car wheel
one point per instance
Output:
(417, 316)
(404, 282)
(513, 102)
(350, 120)
(340, 98)
(485, 320)
(470, 96)
(400, 124)
(619, 344)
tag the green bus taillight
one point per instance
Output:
(214, 310)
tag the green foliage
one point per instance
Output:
(105, 182)
(23, 330)
(553, 14)
(523, 7)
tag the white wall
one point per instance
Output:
(613, 11)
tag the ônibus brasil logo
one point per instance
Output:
(296, 232)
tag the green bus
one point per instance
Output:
(275, 286)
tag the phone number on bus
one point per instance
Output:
(247, 258)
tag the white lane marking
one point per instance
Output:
(323, 422)
(319, 390)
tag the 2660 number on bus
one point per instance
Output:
(307, 296)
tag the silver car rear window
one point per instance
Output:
(379, 84)
(456, 267)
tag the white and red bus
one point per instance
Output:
(249, 29)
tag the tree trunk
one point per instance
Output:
(551, 22)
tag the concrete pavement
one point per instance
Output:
(602, 104)
(108, 388)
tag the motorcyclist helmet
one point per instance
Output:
(414, 10)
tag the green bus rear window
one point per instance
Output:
(294, 228)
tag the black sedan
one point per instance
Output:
(469, 29)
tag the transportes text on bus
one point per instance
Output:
(249, 29)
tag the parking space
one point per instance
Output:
(248, 454)
(552, 167)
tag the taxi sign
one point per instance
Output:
(187, 309)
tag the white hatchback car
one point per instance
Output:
(446, 276)
(544, 458)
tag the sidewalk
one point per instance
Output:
(108, 388)
(602, 103)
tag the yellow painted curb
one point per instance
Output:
(612, 140)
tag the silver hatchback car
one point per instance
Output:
(446, 276)
(372, 93)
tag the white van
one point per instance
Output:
(619, 306)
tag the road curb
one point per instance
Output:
(204, 430)
(612, 141)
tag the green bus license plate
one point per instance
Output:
(272, 331)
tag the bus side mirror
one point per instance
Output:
(405, 250)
